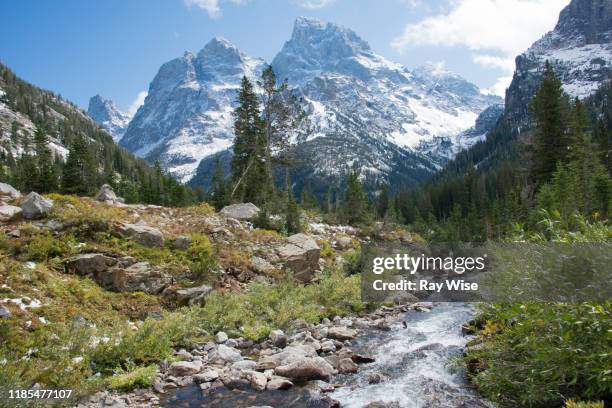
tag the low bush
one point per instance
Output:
(138, 377)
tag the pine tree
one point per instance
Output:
(218, 188)
(355, 201)
(249, 171)
(550, 141)
(292, 212)
(45, 178)
(79, 172)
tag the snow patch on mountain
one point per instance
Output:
(108, 116)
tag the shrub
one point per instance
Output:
(139, 377)
(200, 255)
(539, 354)
(42, 247)
(575, 404)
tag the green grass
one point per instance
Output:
(139, 377)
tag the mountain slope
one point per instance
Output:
(108, 116)
(26, 109)
(187, 114)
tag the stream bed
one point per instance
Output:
(415, 358)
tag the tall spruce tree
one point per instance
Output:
(79, 172)
(249, 170)
(218, 188)
(355, 201)
(549, 109)
(45, 178)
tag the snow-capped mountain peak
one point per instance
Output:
(108, 116)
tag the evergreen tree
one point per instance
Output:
(307, 198)
(549, 110)
(292, 212)
(355, 201)
(79, 172)
(45, 178)
(218, 188)
(249, 170)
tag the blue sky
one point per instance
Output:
(114, 47)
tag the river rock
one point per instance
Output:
(279, 383)
(208, 375)
(328, 346)
(306, 368)
(245, 211)
(301, 255)
(376, 378)
(35, 206)
(278, 338)
(185, 368)
(346, 366)
(225, 354)
(341, 333)
(8, 191)
(244, 365)
(144, 235)
(9, 212)
(288, 355)
(257, 380)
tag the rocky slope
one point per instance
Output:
(580, 50)
(365, 112)
(107, 115)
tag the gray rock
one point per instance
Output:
(221, 337)
(306, 368)
(344, 242)
(144, 235)
(35, 206)
(245, 211)
(139, 277)
(195, 295)
(288, 355)
(9, 212)
(278, 338)
(346, 366)
(376, 378)
(88, 264)
(207, 375)
(301, 255)
(257, 380)
(243, 365)
(279, 383)
(181, 243)
(8, 191)
(341, 333)
(185, 368)
(328, 346)
(225, 354)
(107, 195)
(262, 266)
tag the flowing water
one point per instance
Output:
(417, 358)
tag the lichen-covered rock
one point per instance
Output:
(301, 255)
(245, 211)
(35, 206)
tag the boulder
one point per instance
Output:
(139, 277)
(278, 338)
(195, 295)
(221, 337)
(328, 346)
(300, 254)
(245, 211)
(185, 368)
(341, 333)
(35, 206)
(257, 380)
(144, 235)
(88, 264)
(9, 212)
(243, 365)
(344, 242)
(346, 366)
(225, 354)
(306, 368)
(181, 243)
(288, 355)
(8, 191)
(376, 378)
(262, 266)
(279, 383)
(208, 375)
(4, 313)
(107, 195)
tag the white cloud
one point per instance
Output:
(502, 27)
(212, 7)
(137, 103)
(493, 61)
(500, 86)
(313, 4)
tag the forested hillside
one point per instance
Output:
(49, 145)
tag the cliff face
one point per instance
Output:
(580, 50)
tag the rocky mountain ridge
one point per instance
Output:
(107, 115)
